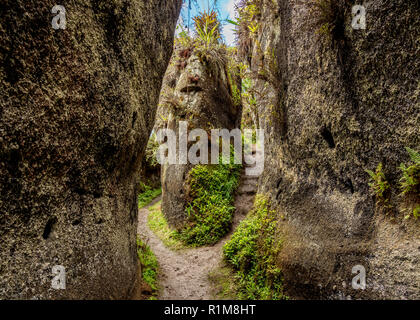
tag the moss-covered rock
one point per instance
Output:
(332, 107)
(77, 107)
(196, 90)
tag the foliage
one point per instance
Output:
(247, 25)
(158, 224)
(222, 279)
(207, 28)
(416, 211)
(151, 150)
(410, 180)
(236, 93)
(328, 17)
(252, 251)
(183, 38)
(149, 265)
(147, 194)
(211, 210)
(378, 183)
(249, 110)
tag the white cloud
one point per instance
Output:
(229, 28)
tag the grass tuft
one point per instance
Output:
(158, 224)
(149, 266)
(252, 252)
(148, 195)
(211, 210)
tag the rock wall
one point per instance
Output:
(77, 107)
(197, 90)
(332, 105)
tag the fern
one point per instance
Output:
(378, 183)
(410, 174)
(410, 180)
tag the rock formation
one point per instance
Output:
(77, 106)
(333, 104)
(197, 89)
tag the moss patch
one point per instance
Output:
(158, 224)
(224, 284)
(211, 210)
(252, 251)
(149, 268)
(148, 195)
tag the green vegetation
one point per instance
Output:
(147, 194)
(207, 28)
(223, 281)
(252, 252)
(410, 180)
(379, 184)
(211, 209)
(149, 266)
(151, 149)
(328, 18)
(409, 184)
(236, 93)
(248, 25)
(158, 224)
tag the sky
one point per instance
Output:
(226, 9)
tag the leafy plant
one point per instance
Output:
(328, 17)
(211, 210)
(207, 27)
(378, 183)
(147, 194)
(236, 93)
(151, 149)
(252, 252)
(183, 38)
(149, 265)
(410, 180)
(247, 26)
(416, 211)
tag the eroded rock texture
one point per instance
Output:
(77, 107)
(333, 106)
(197, 90)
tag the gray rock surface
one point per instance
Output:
(332, 108)
(77, 107)
(197, 90)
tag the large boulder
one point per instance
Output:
(198, 88)
(333, 102)
(77, 106)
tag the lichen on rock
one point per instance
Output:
(77, 107)
(332, 107)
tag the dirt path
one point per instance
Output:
(184, 273)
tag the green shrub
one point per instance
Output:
(147, 195)
(252, 251)
(410, 180)
(149, 265)
(207, 27)
(151, 149)
(379, 184)
(211, 210)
